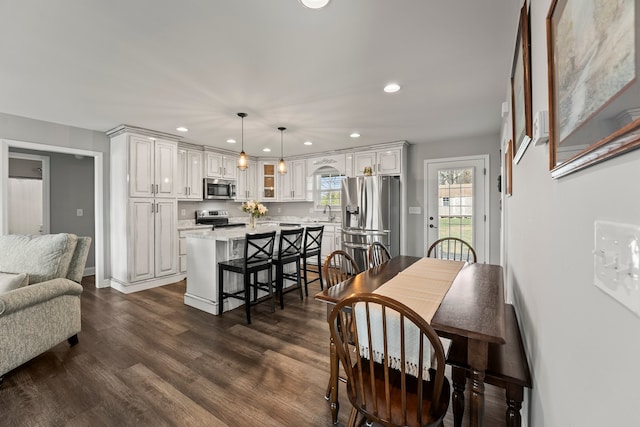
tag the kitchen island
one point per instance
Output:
(204, 250)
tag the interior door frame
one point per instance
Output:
(98, 173)
(46, 188)
(484, 158)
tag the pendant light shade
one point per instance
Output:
(282, 166)
(242, 159)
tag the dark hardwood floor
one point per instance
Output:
(146, 359)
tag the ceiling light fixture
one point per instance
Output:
(231, 141)
(355, 135)
(266, 150)
(182, 129)
(314, 4)
(242, 159)
(308, 143)
(282, 166)
(392, 87)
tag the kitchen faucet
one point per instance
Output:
(331, 216)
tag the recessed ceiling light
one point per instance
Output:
(266, 150)
(308, 143)
(314, 4)
(231, 141)
(355, 135)
(182, 129)
(392, 87)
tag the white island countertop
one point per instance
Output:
(233, 233)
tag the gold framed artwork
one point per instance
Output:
(594, 93)
(521, 88)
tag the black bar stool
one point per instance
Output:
(258, 256)
(289, 247)
(311, 248)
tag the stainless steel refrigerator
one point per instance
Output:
(370, 213)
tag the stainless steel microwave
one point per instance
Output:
(219, 189)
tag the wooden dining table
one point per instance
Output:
(472, 309)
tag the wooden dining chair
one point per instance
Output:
(289, 250)
(312, 248)
(452, 248)
(395, 376)
(338, 267)
(258, 256)
(378, 253)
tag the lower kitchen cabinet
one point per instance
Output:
(146, 255)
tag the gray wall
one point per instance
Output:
(583, 346)
(68, 190)
(418, 153)
(23, 168)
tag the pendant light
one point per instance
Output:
(282, 166)
(242, 160)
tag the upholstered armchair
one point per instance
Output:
(39, 294)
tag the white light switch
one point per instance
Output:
(415, 210)
(79, 212)
(616, 258)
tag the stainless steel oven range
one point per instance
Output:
(216, 218)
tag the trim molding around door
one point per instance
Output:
(487, 207)
(98, 171)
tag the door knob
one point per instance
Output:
(432, 226)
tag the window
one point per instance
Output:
(327, 184)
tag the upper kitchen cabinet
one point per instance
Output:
(152, 165)
(294, 182)
(219, 165)
(381, 162)
(246, 184)
(189, 181)
(336, 161)
(267, 181)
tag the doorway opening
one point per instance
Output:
(457, 201)
(98, 170)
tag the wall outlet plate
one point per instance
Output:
(616, 257)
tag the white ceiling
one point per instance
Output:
(160, 64)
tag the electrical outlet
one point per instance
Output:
(79, 212)
(616, 258)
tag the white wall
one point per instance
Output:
(584, 347)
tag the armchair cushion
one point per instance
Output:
(43, 257)
(11, 281)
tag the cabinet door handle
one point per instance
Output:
(152, 187)
(220, 170)
(157, 188)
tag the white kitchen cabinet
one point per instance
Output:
(348, 168)
(152, 239)
(143, 233)
(189, 182)
(218, 165)
(381, 162)
(247, 183)
(328, 241)
(152, 167)
(267, 181)
(293, 184)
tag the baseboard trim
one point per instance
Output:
(127, 288)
